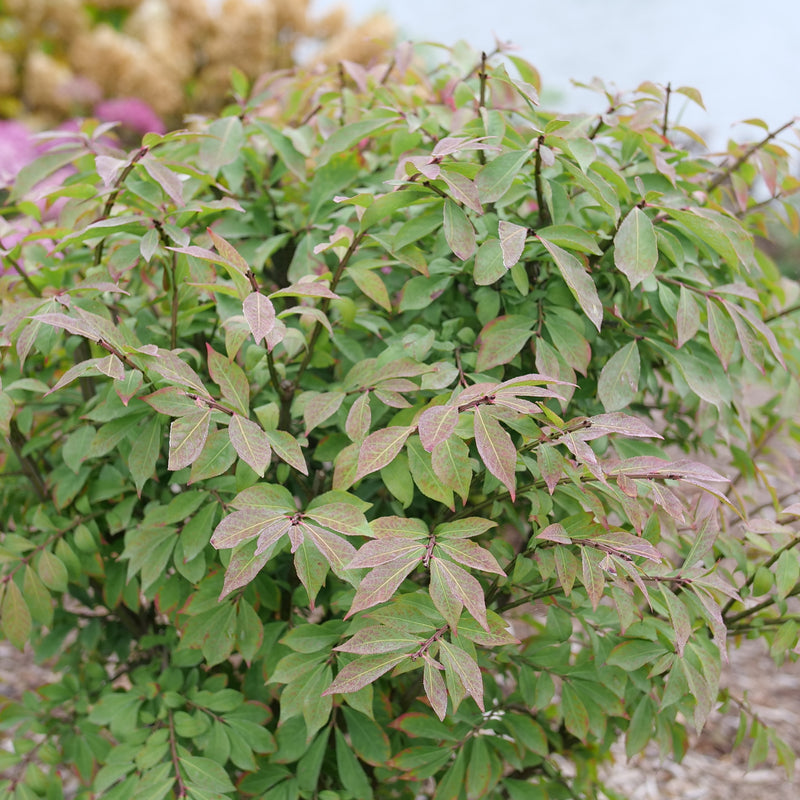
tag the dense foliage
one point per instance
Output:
(352, 441)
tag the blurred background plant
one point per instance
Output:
(64, 58)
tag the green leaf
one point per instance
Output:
(635, 653)
(576, 717)
(144, 454)
(501, 340)
(425, 477)
(351, 773)
(250, 442)
(635, 247)
(216, 457)
(204, 773)
(52, 571)
(578, 280)
(496, 177)
(619, 379)
(458, 231)
(15, 616)
(287, 448)
(489, 263)
(450, 461)
(369, 741)
(344, 138)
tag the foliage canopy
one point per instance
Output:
(351, 440)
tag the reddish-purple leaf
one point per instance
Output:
(450, 461)
(495, 448)
(381, 584)
(617, 422)
(242, 568)
(566, 568)
(463, 528)
(405, 527)
(463, 586)
(379, 639)
(458, 231)
(242, 525)
(627, 543)
(469, 554)
(260, 315)
(74, 373)
(363, 671)
(380, 448)
(512, 241)
(501, 340)
(721, 333)
(436, 424)
(619, 379)
(359, 418)
(228, 252)
(231, 380)
(187, 435)
(551, 465)
(687, 319)
(175, 370)
(579, 281)
(287, 449)
(460, 662)
(172, 401)
(164, 177)
(377, 552)
(434, 686)
(319, 407)
(272, 532)
(679, 617)
(250, 442)
(309, 288)
(555, 533)
(528, 385)
(266, 497)
(79, 327)
(341, 517)
(336, 551)
(462, 189)
(593, 578)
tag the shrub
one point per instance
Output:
(351, 441)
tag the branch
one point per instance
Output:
(728, 171)
(112, 198)
(665, 123)
(324, 306)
